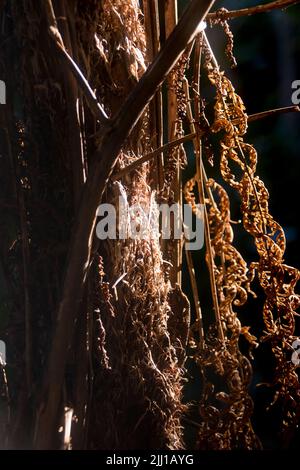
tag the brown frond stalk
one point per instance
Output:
(152, 28)
(197, 304)
(149, 156)
(272, 112)
(200, 185)
(229, 15)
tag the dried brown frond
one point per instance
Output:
(220, 18)
(225, 410)
(225, 406)
(238, 168)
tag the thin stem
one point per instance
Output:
(167, 147)
(196, 76)
(229, 15)
(272, 112)
(156, 125)
(191, 269)
(210, 258)
(91, 98)
(173, 247)
(149, 156)
(55, 35)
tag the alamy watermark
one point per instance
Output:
(151, 222)
(296, 354)
(296, 94)
(2, 92)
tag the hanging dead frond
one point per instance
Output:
(225, 405)
(238, 168)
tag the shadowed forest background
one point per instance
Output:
(128, 378)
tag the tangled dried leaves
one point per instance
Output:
(226, 414)
(238, 168)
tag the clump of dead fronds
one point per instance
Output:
(217, 350)
(142, 375)
(238, 168)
